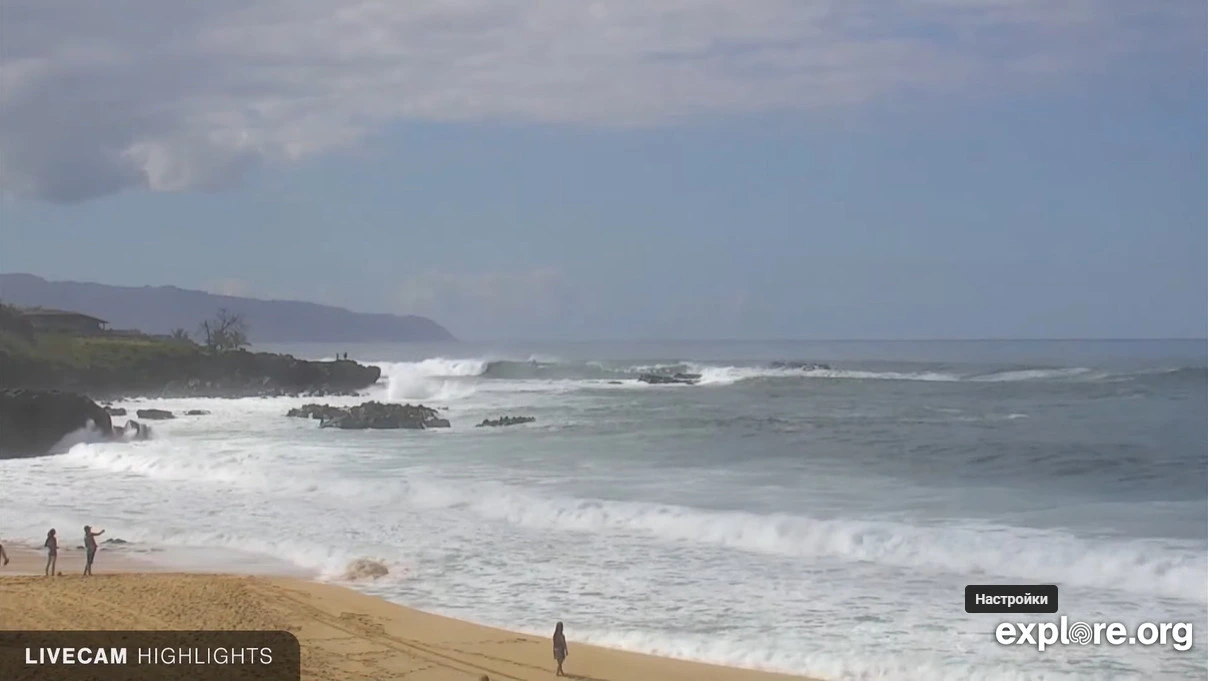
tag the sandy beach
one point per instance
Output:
(345, 635)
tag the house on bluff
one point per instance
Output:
(64, 321)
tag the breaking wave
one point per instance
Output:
(432, 379)
(1147, 567)
(1157, 567)
(442, 378)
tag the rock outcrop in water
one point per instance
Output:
(506, 421)
(131, 431)
(372, 415)
(316, 411)
(33, 421)
(365, 568)
(664, 379)
(155, 414)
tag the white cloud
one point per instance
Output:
(97, 97)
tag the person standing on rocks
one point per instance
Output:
(52, 552)
(90, 548)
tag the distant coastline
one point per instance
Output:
(161, 309)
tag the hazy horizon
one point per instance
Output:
(686, 340)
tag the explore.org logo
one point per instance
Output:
(1177, 635)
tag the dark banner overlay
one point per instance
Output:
(149, 656)
(1000, 598)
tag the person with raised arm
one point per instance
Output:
(90, 547)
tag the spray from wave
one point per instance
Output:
(436, 379)
(88, 434)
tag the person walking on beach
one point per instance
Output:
(52, 552)
(90, 547)
(3, 556)
(560, 651)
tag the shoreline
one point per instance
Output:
(345, 634)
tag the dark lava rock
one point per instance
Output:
(32, 421)
(115, 411)
(372, 415)
(664, 379)
(316, 411)
(506, 421)
(154, 414)
(261, 373)
(330, 393)
(168, 370)
(133, 430)
(197, 412)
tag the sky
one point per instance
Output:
(708, 169)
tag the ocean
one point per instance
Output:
(823, 522)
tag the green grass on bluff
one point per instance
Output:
(92, 351)
(19, 341)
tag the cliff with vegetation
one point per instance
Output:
(109, 366)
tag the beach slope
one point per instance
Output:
(345, 635)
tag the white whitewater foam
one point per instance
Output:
(1040, 375)
(165, 460)
(1162, 568)
(876, 662)
(729, 375)
(453, 379)
(215, 550)
(882, 375)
